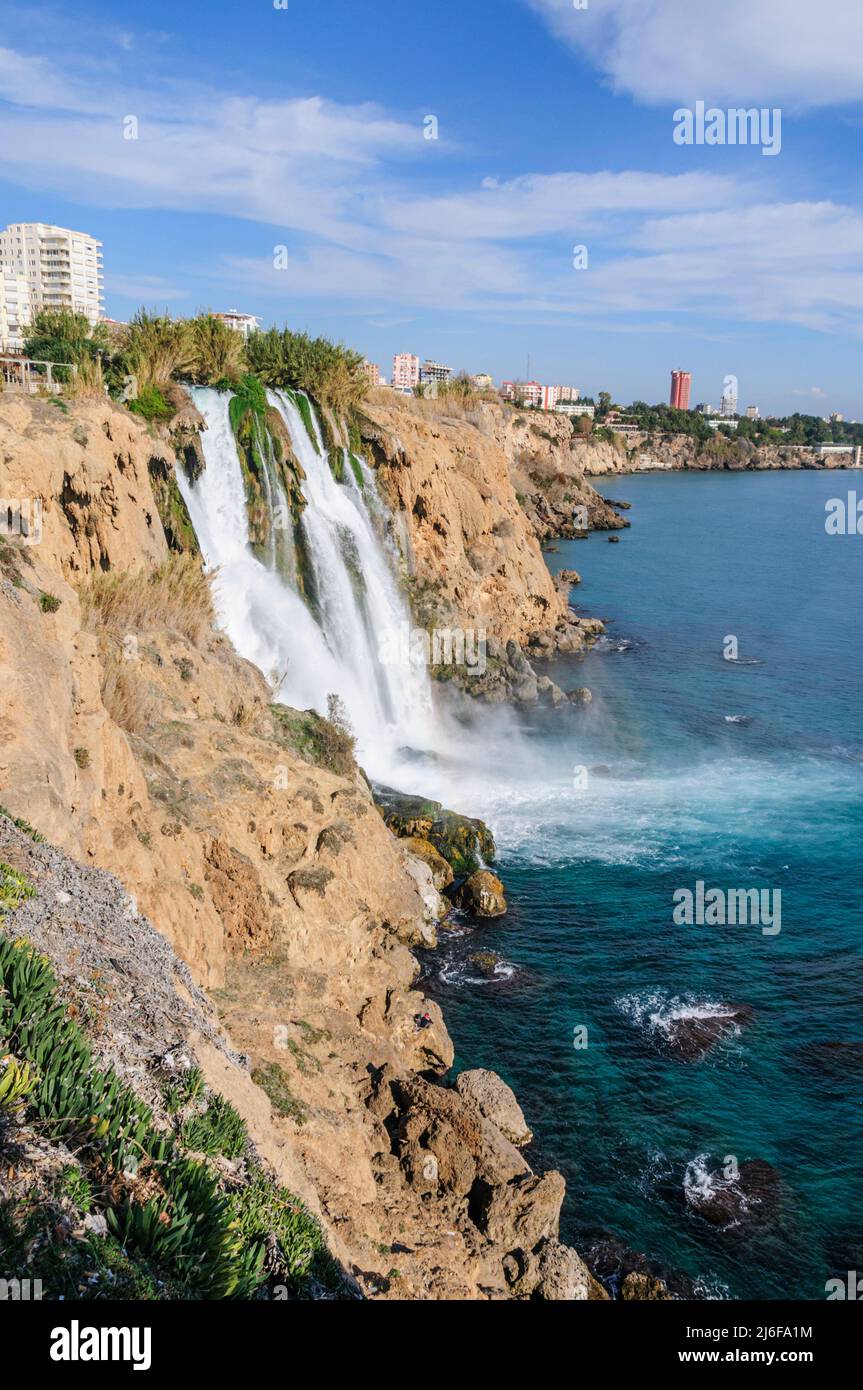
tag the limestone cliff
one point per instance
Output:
(639, 454)
(473, 492)
(136, 740)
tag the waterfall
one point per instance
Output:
(350, 644)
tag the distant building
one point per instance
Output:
(753, 413)
(483, 382)
(15, 310)
(240, 323)
(573, 408)
(435, 372)
(722, 422)
(728, 404)
(373, 373)
(115, 328)
(552, 395)
(62, 268)
(704, 409)
(681, 387)
(406, 371)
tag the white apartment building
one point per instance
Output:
(239, 323)
(62, 268)
(14, 310)
(406, 371)
(573, 408)
(435, 371)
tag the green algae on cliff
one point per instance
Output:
(465, 843)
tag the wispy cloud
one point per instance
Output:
(792, 52)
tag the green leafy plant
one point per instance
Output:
(48, 602)
(14, 889)
(298, 1251)
(17, 1080)
(151, 404)
(219, 1130)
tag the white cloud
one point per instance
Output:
(540, 204)
(329, 181)
(768, 52)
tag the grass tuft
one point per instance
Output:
(174, 596)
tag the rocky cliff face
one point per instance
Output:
(136, 740)
(473, 494)
(599, 457)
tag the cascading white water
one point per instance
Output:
(356, 596)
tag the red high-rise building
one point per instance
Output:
(681, 390)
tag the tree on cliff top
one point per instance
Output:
(56, 335)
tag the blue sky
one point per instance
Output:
(304, 128)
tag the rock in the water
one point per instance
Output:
(525, 690)
(482, 894)
(550, 693)
(614, 540)
(581, 696)
(493, 1098)
(749, 1199)
(691, 1035)
(463, 842)
(486, 961)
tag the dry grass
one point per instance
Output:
(126, 694)
(176, 597)
(118, 607)
(88, 382)
(447, 405)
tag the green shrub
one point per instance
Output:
(48, 602)
(17, 1080)
(217, 353)
(317, 740)
(330, 372)
(190, 1228)
(157, 349)
(298, 1251)
(219, 1130)
(188, 1088)
(59, 336)
(190, 1240)
(151, 404)
(73, 1185)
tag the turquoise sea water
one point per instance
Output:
(772, 800)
